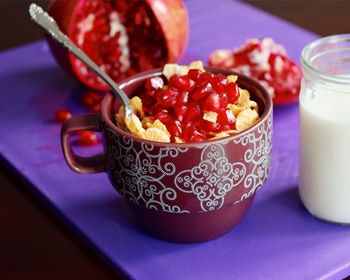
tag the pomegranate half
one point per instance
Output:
(122, 37)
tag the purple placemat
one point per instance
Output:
(277, 240)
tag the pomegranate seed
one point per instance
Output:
(219, 88)
(87, 138)
(225, 116)
(147, 100)
(173, 127)
(201, 92)
(182, 98)
(212, 102)
(180, 111)
(193, 111)
(223, 100)
(167, 98)
(188, 131)
(156, 109)
(62, 115)
(206, 76)
(198, 138)
(218, 78)
(224, 127)
(182, 83)
(232, 92)
(194, 74)
(208, 126)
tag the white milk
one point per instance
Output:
(324, 177)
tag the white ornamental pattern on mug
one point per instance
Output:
(212, 178)
(141, 171)
(259, 156)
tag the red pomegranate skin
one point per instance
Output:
(168, 18)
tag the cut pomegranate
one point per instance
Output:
(122, 37)
(265, 61)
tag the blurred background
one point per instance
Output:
(315, 15)
(44, 248)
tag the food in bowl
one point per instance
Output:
(189, 104)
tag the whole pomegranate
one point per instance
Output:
(122, 37)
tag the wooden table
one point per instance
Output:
(34, 243)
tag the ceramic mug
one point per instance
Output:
(182, 192)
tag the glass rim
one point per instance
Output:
(306, 57)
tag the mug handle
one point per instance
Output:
(84, 165)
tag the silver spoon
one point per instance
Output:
(39, 16)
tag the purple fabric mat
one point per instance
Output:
(278, 239)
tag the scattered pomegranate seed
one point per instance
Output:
(87, 138)
(62, 115)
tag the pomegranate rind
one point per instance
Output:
(173, 19)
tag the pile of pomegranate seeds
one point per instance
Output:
(267, 62)
(193, 106)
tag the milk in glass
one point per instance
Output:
(324, 177)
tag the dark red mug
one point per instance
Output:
(182, 192)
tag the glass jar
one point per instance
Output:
(324, 177)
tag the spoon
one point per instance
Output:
(45, 21)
